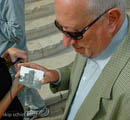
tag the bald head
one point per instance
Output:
(70, 1)
(95, 7)
(66, 10)
(70, 4)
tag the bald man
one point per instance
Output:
(99, 79)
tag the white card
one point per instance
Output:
(31, 77)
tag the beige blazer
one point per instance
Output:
(109, 99)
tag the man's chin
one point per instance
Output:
(82, 52)
(86, 55)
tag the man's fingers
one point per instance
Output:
(32, 65)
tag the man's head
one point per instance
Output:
(99, 20)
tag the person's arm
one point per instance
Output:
(12, 20)
(13, 54)
(6, 101)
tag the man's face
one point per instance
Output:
(73, 18)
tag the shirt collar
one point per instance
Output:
(105, 56)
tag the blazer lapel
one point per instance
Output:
(104, 84)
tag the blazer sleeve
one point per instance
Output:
(65, 79)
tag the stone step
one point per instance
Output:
(40, 27)
(45, 46)
(40, 8)
(30, 1)
(128, 3)
(57, 60)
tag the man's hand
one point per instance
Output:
(49, 75)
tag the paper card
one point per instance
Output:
(31, 77)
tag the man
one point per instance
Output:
(12, 34)
(99, 78)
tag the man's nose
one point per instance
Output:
(67, 41)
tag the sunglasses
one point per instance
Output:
(77, 35)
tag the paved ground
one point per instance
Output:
(56, 111)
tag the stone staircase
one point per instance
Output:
(43, 38)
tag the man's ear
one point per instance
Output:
(113, 16)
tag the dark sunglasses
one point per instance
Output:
(77, 35)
